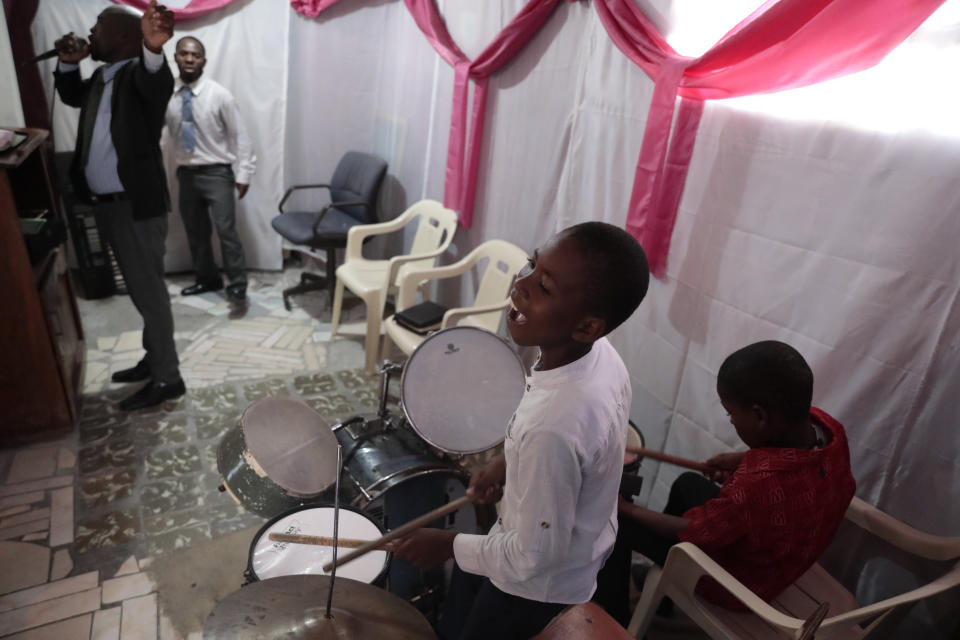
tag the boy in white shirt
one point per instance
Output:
(563, 453)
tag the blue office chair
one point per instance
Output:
(353, 200)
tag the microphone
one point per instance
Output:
(80, 43)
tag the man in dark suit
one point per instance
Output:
(117, 165)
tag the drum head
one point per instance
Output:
(269, 559)
(291, 444)
(635, 440)
(460, 387)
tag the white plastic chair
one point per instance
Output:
(686, 564)
(373, 280)
(504, 261)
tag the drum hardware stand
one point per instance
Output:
(370, 426)
(336, 530)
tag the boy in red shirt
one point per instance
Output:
(780, 503)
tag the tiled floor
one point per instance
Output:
(75, 514)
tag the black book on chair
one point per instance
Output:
(421, 318)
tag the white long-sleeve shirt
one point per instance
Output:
(564, 461)
(221, 135)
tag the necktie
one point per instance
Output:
(90, 116)
(188, 131)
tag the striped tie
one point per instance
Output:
(188, 131)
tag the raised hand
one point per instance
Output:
(157, 26)
(71, 49)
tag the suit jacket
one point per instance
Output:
(138, 106)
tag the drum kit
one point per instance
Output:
(283, 461)
(324, 487)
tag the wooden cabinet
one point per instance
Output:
(41, 338)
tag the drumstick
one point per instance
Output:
(666, 457)
(399, 532)
(323, 541)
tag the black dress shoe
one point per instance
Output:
(153, 394)
(201, 287)
(237, 292)
(133, 374)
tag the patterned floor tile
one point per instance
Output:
(314, 384)
(106, 428)
(97, 490)
(115, 454)
(216, 398)
(354, 379)
(178, 539)
(171, 494)
(265, 389)
(332, 407)
(175, 462)
(116, 529)
(160, 431)
(216, 425)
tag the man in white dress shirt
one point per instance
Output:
(214, 156)
(563, 453)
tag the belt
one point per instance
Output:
(203, 167)
(108, 197)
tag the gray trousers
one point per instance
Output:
(139, 246)
(207, 192)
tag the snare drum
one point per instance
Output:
(281, 455)
(459, 389)
(269, 559)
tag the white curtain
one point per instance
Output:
(246, 45)
(825, 217)
(11, 113)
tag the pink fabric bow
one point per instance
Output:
(195, 9)
(311, 8)
(462, 158)
(782, 45)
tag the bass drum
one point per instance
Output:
(270, 559)
(281, 455)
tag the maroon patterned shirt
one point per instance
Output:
(775, 514)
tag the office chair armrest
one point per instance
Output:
(323, 212)
(298, 187)
(452, 316)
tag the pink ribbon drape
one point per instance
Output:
(311, 8)
(195, 9)
(782, 45)
(463, 158)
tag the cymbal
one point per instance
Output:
(294, 608)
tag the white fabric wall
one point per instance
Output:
(246, 46)
(830, 225)
(11, 113)
(836, 238)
